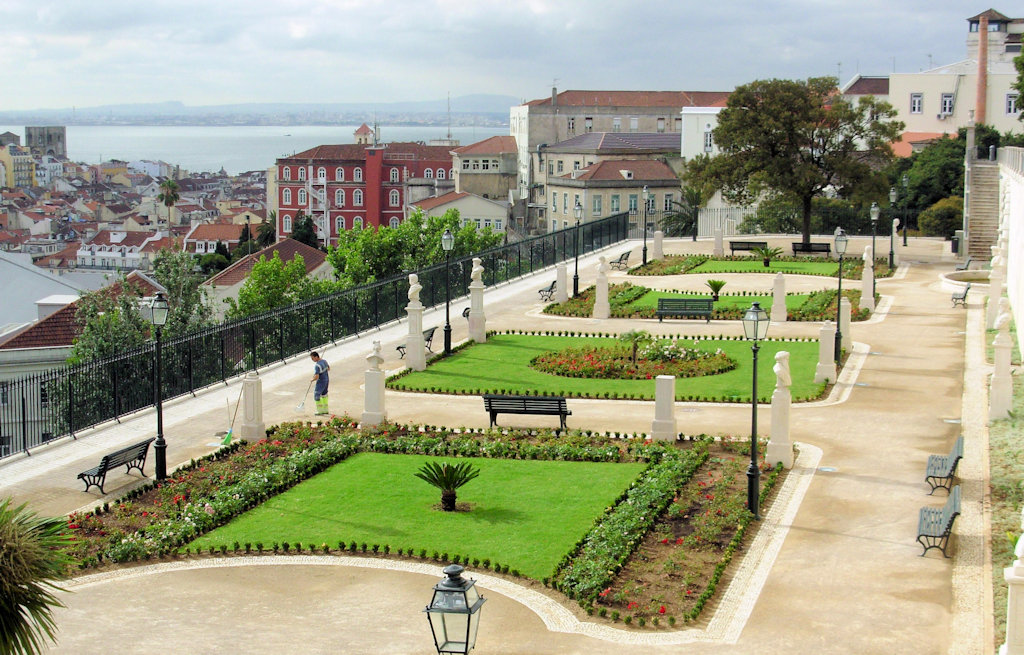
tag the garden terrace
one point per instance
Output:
(853, 267)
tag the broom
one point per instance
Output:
(231, 428)
(303, 403)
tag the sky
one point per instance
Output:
(72, 53)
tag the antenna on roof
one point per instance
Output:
(449, 116)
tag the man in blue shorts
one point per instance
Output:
(320, 368)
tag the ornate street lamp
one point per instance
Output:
(755, 328)
(578, 213)
(645, 194)
(454, 612)
(903, 213)
(841, 242)
(875, 211)
(159, 308)
(447, 244)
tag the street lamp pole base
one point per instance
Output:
(645, 254)
(447, 339)
(575, 285)
(753, 495)
(160, 457)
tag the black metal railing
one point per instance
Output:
(43, 406)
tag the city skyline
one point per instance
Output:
(62, 54)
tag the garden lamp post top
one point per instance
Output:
(454, 612)
(841, 241)
(892, 196)
(875, 211)
(755, 322)
(577, 211)
(160, 307)
(447, 240)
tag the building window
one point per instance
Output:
(565, 203)
(451, 173)
(339, 198)
(554, 201)
(615, 206)
(440, 173)
(588, 124)
(916, 102)
(393, 198)
(286, 197)
(634, 124)
(302, 173)
(1011, 103)
(616, 124)
(947, 104)
(651, 202)
(339, 174)
(465, 164)
(302, 197)
(551, 167)
(286, 173)
(321, 174)
(476, 164)
(709, 141)
(669, 199)
(357, 197)
(394, 174)
(554, 225)
(596, 206)
(497, 224)
(339, 225)
(633, 203)
(286, 223)
(560, 166)
(429, 173)
(661, 124)
(575, 166)
(357, 223)
(357, 175)
(394, 221)
(572, 124)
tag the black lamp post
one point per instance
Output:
(454, 612)
(578, 213)
(159, 307)
(755, 328)
(903, 213)
(447, 243)
(892, 244)
(645, 194)
(875, 211)
(841, 241)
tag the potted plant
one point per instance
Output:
(767, 254)
(716, 287)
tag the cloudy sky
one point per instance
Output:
(69, 52)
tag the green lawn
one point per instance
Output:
(502, 365)
(823, 267)
(525, 514)
(650, 300)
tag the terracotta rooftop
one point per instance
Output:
(429, 203)
(226, 232)
(132, 239)
(869, 86)
(357, 152)
(286, 249)
(670, 99)
(62, 259)
(991, 15)
(492, 146)
(905, 146)
(619, 141)
(642, 169)
(364, 129)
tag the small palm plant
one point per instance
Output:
(447, 477)
(31, 556)
(636, 339)
(716, 287)
(767, 254)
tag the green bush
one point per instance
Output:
(943, 218)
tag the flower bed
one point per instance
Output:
(664, 357)
(853, 267)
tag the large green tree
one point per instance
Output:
(798, 138)
(190, 307)
(274, 283)
(304, 230)
(266, 233)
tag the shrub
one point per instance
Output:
(943, 218)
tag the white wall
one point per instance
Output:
(1011, 174)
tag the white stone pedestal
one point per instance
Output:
(663, 427)
(601, 307)
(657, 248)
(373, 394)
(995, 292)
(826, 368)
(845, 312)
(253, 426)
(477, 319)
(561, 283)
(415, 349)
(780, 448)
(719, 243)
(1014, 576)
(1000, 399)
(779, 299)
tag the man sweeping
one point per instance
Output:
(320, 368)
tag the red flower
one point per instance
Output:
(605, 592)
(661, 610)
(632, 605)
(679, 541)
(664, 541)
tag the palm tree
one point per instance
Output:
(168, 196)
(31, 557)
(266, 233)
(447, 477)
(635, 338)
(683, 220)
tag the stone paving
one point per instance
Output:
(835, 567)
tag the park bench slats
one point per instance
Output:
(428, 336)
(547, 292)
(799, 247)
(746, 245)
(964, 266)
(496, 404)
(686, 307)
(133, 456)
(960, 297)
(622, 263)
(935, 524)
(941, 468)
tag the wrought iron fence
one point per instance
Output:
(41, 407)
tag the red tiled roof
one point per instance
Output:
(132, 239)
(991, 15)
(491, 146)
(364, 129)
(636, 99)
(226, 232)
(357, 152)
(61, 259)
(286, 250)
(429, 203)
(156, 245)
(642, 169)
(905, 146)
(869, 86)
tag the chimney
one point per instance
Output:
(554, 96)
(982, 95)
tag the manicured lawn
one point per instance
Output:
(502, 365)
(650, 300)
(524, 514)
(823, 267)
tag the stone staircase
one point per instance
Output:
(983, 210)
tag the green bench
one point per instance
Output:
(686, 307)
(935, 524)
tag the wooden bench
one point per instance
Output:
(746, 245)
(428, 336)
(700, 307)
(960, 297)
(131, 457)
(799, 247)
(935, 524)
(547, 292)
(541, 405)
(941, 468)
(963, 267)
(622, 263)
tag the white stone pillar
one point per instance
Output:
(995, 292)
(657, 248)
(719, 243)
(779, 299)
(893, 237)
(415, 349)
(561, 283)
(253, 426)
(844, 316)
(826, 369)
(373, 389)
(601, 307)
(1000, 398)
(780, 448)
(1014, 576)
(477, 319)
(663, 428)
(867, 286)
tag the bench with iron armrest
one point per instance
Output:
(963, 267)
(133, 456)
(942, 468)
(746, 245)
(960, 297)
(622, 263)
(547, 292)
(541, 405)
(935, 524)
(700, 307)
(428, 336)
(799, 247)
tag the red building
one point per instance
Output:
(342, 186)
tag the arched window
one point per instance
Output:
(358, 174)
(302, 173)
(429, 173)
(394, 174)
(440, 173)
(286, 223)
(451, 172)
(339, 198)
(357, 197)
(357, 223)
(286, 197)
(321, 174)
(302, 197)
(339, 224)
(394, 198)
(286, 173)
(395, 221)
(339, 174)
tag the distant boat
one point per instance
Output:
(287, 134)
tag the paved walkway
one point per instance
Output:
(844, 574)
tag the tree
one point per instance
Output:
(32, 557)
(448, 478)
(111, 322)
(943, 218)
(683, 220)
(246, 244)
(169, 196)
(271, 284)
(635, 339)
(305, 230)
(266, 233)
(190, 308)
(935, 173)
(798, 138)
